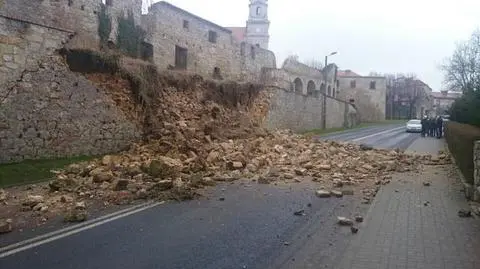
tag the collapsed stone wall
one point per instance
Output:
(51, 112)
(170, 28)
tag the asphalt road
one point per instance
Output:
(253, 227)
(386, 136)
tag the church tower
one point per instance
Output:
(258, 24)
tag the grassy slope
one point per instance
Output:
(33, 170)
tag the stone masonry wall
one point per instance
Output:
(168, 26)
(371, 103)
(52, 112)
(21, 47)
(476, 174)
(76, 16)
(298, 112)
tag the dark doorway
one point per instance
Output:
(180, 57)
(147, 51)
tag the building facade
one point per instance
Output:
(367, 93)
(442, 101)
(409, 98)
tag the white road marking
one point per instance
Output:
(71, 230)
(372, 135)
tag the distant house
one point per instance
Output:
(443, 100)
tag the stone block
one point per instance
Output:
(11, 65)
(20, 59)
(35, 37)
(51, 43)
(6, 48)
(7, 57)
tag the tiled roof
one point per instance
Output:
(446, 95)
(347, 73)
(170, 6)
(238, 33)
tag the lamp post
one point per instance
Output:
(324, 93)
(326, 57)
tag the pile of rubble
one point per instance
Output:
(203, 133)
(141, 173)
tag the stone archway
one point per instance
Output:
(298, 85)
(329, 91)
(323, 88)
(310, 87)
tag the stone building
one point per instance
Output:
(443, 100)
(409, 98)
(184, 41)
(48, 111)
(304, 99)
(368, 93)
(258, 25)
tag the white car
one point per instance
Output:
(414, 126)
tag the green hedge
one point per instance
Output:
(460, 139)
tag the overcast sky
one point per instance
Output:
(370, 35)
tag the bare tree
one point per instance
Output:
(462, 69)
(403, 93)
(314, 63)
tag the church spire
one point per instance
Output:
(258, 24)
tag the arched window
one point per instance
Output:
(298, 85)
(258, 10)
(310, 87)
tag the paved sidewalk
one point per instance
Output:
(414, 226)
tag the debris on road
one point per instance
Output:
(426, 183)
(286, 243)
(358, 218)
(198, 133)
(344, 221)
(5, 226)
(323, 194)
(354, 229)
(338, 194)
(299, 213)
(463, 213)
(348, 192)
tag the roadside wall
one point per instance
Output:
(298, 112)
(29, 30)
(22, 46)
(476, 175)
(52, 112)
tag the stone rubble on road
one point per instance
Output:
(197, 140)
(344, 221)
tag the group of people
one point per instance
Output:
(432, 126)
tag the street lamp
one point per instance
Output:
(326, 57)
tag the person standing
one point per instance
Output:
(428, 123)
(423, 122)
(439, 127)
